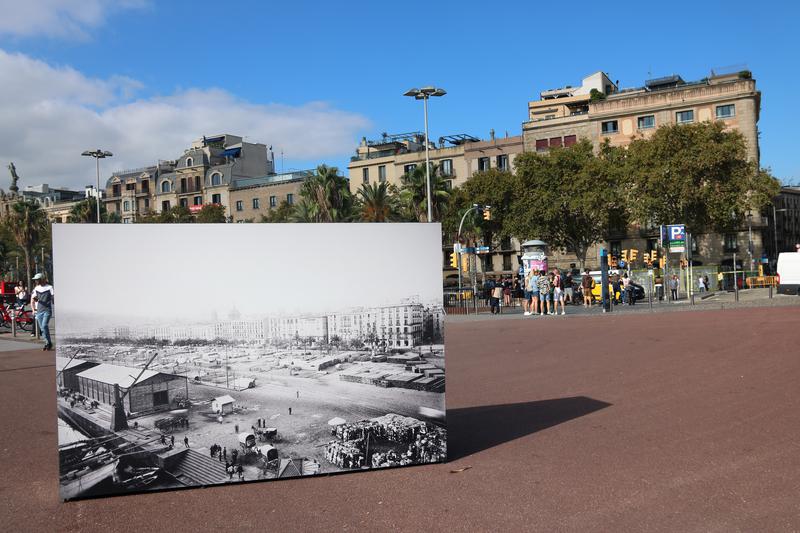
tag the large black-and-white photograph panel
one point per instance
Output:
(192, 355)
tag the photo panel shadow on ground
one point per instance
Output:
(474, 429)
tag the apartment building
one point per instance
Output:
(785, 215)
(458, 157)
(599, 110)
(202, 175)
(250, 198)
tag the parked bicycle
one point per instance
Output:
(23, 317)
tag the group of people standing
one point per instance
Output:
(543, 292)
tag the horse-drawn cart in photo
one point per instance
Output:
(267, 434)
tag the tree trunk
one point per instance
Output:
(580, 253)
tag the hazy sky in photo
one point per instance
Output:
(185, 272)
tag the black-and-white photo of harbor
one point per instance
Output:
(193, 355)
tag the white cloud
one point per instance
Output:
(70, 19)
(49, 115)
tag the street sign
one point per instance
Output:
(482, 250)
(468, 250)
(456, 247)
(676, 238)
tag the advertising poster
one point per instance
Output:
(200, 354)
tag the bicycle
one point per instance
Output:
(23, 317)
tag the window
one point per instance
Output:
(197, 183)
(408, 169)
(130, 186)
(446, 167)
(256, 203)
(146, 186)
(365, 175)
(216, 178)
(731, 244)
(189, 162)
(382, 173)
(555, 142)
(147, 203)
(126, 220)
(726, 111)
(216, 198)
(273, 201)
(161, 398)
(126, 205)
(183, 185)
(646, 122)
(506, 261)
(290, 199)
(684, 117)
(184, 202)
(483, 164)
(115, 190)
(239, 205)
(198, 200)
(502, 162)
(569, 140)
(609, 126)
(165, 205)
(541, 145)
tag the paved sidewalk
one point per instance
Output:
(684, 425)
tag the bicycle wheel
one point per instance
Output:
(25, 326)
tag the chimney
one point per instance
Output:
(491, 134)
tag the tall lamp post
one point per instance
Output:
(423, 94)
(98, 155)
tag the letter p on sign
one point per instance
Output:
(676, 233)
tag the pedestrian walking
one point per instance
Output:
(298, 395)
(705, 282)
(558, 291)
(42, 296)
(234, 456)
(163, 439)
(587, 284)
(701, 284)
(186, 441)
(236, 428)
(290, 411)
(673, 287)
(225, 453)
(229, 469)
(172, 440)
(720, 281)
(240, 471)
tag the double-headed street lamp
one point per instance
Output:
(98, 155)
(423, 94)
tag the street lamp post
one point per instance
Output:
(98, 155)
(423, 94)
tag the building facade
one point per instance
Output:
(785, 216)
(458, 157)
(250, 198)
(202, 175)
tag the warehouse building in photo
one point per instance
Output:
(154, 391)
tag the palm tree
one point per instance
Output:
(377, 202)
(414, 197)
(304, 211)
(329, 195)
(86, 212)
(26, 223)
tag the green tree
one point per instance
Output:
(211, 214)
(494, 188)
(567, 197)
(282, 214)
(85, 212)
(377, 202)
(27, 224)
(328, 195)
(414, 196)
(694, 174)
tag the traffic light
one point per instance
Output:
(662, 262)
(646, 258)
(614, 263)
(632, 255)
(454, 259)
(465, 263)
(625, 256)
(653, 255)
(487, 214)
(684, 263)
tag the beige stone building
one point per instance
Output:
(250, 198)
(598, 110)
(457, 156)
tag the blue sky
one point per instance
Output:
(311, 78)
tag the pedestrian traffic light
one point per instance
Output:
(454, 259)
(487, 214)
(625, 256)
(632, 255)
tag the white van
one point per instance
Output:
(789, 273)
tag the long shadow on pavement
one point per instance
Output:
(474, 429)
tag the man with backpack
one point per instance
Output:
(587, 284)
(42, 298)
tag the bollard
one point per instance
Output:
(691, 297)
(770, 291)
(14, 322)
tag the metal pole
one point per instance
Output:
(97, 192)
(735, 279)
(427, 162)
(775, 231)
